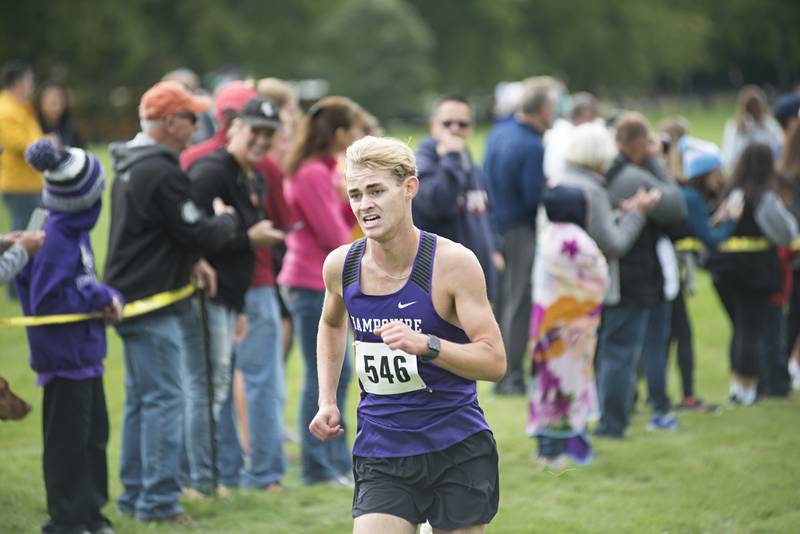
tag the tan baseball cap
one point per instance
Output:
(167, 98)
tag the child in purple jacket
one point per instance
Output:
(68, 358)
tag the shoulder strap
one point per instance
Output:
(352, 263)
(423, 265)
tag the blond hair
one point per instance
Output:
(751, 102)
(538, 92)
(591, 147)
(381, 154)
(279, 91)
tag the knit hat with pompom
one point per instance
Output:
(74, 178)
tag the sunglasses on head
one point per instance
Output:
(461, 124)
(188, 115)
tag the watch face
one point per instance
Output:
(433, 347)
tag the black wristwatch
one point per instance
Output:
(434, 345)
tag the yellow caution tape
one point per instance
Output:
(732, 244)
(132, 309)
(689, 244)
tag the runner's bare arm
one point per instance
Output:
(331, 339)
(484, 358)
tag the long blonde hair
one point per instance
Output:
(751, 102)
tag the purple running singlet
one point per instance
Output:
(408, 406)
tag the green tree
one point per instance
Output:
(377, 52)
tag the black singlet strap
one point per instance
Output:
(423, 267)
(352, 263)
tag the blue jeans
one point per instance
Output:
(221, 323)
(656, 356)
(260, 360)
(153, 417)
(626, 332)
(321, 460)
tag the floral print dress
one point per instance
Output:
(570, 280)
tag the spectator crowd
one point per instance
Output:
(589, 231)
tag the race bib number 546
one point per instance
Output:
(384, 371)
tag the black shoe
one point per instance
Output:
(101, 525)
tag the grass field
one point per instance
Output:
(732, 472)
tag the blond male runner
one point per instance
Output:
(424, 333)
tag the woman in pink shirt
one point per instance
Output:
(325, 222)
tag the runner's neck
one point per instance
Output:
(394, 257)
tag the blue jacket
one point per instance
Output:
(452, 202)
(698, 222)
(514, 169)
(61, 278)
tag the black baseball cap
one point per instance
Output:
(261, 113)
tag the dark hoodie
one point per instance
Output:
(157, 232)
(452, 202)
(59, 279)
(219, 175)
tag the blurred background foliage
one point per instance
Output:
(394, 55)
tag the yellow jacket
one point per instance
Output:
(18, 129)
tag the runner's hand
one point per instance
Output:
(398, 335)
(326, 425)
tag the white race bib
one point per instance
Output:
(384, 371)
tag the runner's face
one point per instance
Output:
(379, 202)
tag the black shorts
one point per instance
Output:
(454, 488)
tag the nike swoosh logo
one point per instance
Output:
(400, 305)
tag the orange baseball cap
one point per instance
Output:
(167, 98)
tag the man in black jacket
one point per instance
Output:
(157, 233)
(228, 174)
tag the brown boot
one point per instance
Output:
(11, 407)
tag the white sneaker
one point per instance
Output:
(747, 395)
(794, 372)
(734, 393)
(425, 528)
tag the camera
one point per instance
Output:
(666, 142)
